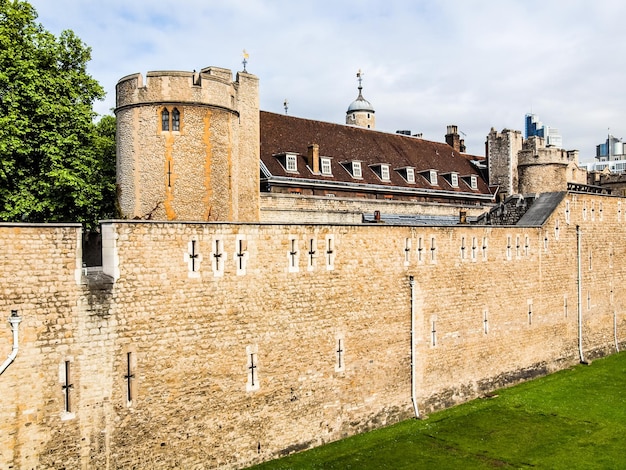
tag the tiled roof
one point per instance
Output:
(282, 134)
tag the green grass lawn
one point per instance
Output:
(573, 419)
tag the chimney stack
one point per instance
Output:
(313, 158)
(453, 139)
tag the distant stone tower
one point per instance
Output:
(188, 146)
(361, 112)
(544, 169)
(502, 150)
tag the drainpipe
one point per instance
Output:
(14, 320)
(413, 353)
(580, 297)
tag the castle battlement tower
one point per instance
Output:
(502, 150)
(188, 146)
(543, 169)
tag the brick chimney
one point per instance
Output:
(453, 139)
(313, 157)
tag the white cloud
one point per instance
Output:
(476, 63)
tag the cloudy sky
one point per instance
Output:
(427, 63)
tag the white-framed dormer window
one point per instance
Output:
(473, 182)
(432, 177)
(356, 170)
(384, 172)
(454, 180)
(291, 163)
(410, 175)
(325, 164)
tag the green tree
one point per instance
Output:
(54, 159)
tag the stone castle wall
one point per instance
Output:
(224, 344)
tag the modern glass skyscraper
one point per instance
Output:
(534, 127)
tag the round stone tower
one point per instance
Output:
(188, 146)
(361, 112)
(544, 169)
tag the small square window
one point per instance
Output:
(384, 172)
(410, 175)
(356, 170)
(291, 163)
(326, 170)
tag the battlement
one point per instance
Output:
(535, 152)
(211, 86)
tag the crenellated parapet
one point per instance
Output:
(188, 146)
(211, 86)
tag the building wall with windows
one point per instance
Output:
(224, 344)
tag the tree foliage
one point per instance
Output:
(56, 163)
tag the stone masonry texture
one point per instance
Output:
(248, 341)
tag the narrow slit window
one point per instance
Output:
(485, 322)
(330, 253)
(340, 364)
(433, 250)
(67, 387)
(420, 249)
(484, 249)
(293, 255)
(508, 247)
(433, 334)
(473, 248)
(218, 257)
(311, 253)
(462, 247)
(407, 251)
(241, 255)
(129, 376)
(252, 368)
(530, 312)
(193, 256)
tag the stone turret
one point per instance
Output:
(502, 150)
(188, 146)
(544, 169)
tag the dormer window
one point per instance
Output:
(472, 181)
(432, 177)
(381, 170)
(454, 180)
(410, 175)
(291, 163)
(356, 170)
(384, 172)
(325, 166)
